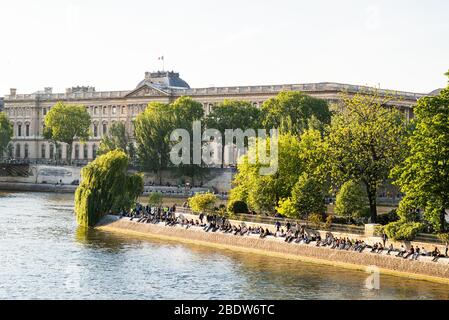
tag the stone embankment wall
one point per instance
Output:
(438, 272)
(217, 178)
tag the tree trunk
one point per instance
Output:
(372, 198)
(443, 220)
(69, 152)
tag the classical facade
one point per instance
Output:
(27, 111)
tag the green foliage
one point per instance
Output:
(403, 230)
(237, 206)
(366, 140)
(295, 156)
(202, 202)
(308, 195)
(105, 186)
(154, 126)
(234, 114)
(65, 123)
(424, 175)
(155, 199)
(117, 138)
(351, 201)
(386, 218)
(6, 133)
(291, 111)
(262, 192)
(287, 208)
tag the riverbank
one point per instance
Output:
(37, 187)
(275, 247)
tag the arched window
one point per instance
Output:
(114, 109)
(27, 129)
(19, 130)
(123, 109)
(95, 130)
(94, 151)
(52, 151)
(77, 151)
(85, 156)
(95, 110)
(26, 151)
(11, 151)
(17, 150)
(105, 129)
(43, 151)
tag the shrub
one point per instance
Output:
(287, 208)
(389, 217)
(316, 220)
(237, 206)
(403, 230)
(202, 202)
(155, 199)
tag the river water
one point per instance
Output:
(43, 255)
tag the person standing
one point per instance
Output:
(384, 238)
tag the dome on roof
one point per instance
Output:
(164, 79)
(435, 92)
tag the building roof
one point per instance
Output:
(164, 80)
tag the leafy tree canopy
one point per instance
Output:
(6, 133)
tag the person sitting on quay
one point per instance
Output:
(415, 256)
(410, 252)
(436, 254)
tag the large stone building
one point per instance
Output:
(27, 111)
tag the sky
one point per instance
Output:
(398, 45)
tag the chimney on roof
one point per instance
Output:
(12, 92)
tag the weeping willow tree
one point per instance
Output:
(106, 186)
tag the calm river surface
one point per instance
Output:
(44, 256)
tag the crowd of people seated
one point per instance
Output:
(291, 234)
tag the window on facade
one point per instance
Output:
(27, 130)
(104, 110)
(105, 129)
(26, 151)
(95, 110)
(19, 130)
(123, 110)
(44, 111)
(43, 151)
(95, 130)
(77, 152)
(85, 151)
(94, 151)
(114, 110)
(17, 150)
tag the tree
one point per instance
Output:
(424, 174)
(263, 192)
(185, 112)
(202, 202)
(106, 186)
(308, 196)
(291, 111)
(117, 138)
(6, 133)
(366, 140)
(65, 123)
(351, 201)
(152, 134)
